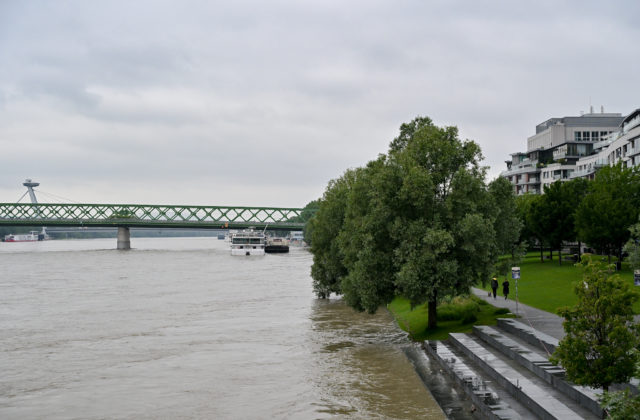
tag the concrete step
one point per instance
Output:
(527, 333)
(539, 397)
(475, 384)
(548, 344)
(539, 364)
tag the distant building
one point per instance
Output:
(622, 145)
(572, 147)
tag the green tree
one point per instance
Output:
(418, 222)
(507, 226)
(365, 240)
(632, 247)
(328, 269)
(621, 405)
(574, 192)
(305, 216)
(553, 218)
(610, 207)
(528, 233)
(598, 348)
(537, 221)
(559, 204)
(508, 223)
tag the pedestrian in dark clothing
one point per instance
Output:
(505, 288)
(494, 286)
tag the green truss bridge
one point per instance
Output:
(125, 216)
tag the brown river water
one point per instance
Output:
(177, 328)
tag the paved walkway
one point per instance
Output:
(541, 320)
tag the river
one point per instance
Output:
(177, 328)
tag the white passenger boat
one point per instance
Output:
(27, 237)
(296, 238)
(248, 242)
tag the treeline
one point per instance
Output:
(598, 213)
(419, 222)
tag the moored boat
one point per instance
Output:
(296, 238)
(275, 245)
(248, 242)
(32, 236)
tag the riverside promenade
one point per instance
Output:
(538, 319)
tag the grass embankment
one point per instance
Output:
(543, 285)
(459, 315)
(548, 285)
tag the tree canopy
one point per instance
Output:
(419, 222)
(611, 206)
(597, 349)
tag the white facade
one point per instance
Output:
(564, 148)
(622, 146)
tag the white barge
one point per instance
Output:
(276, 244)
(248, 242)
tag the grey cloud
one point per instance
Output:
(166, 93)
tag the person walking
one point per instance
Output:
(494, 286)
(505, 289)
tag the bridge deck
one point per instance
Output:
(155, 216)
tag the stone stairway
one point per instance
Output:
(506, 372)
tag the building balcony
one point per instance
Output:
(581, 174)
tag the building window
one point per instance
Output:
(585, 135)
(603, 133)
(595, 136)
(578, 136)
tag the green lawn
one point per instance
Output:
(415, 321)
(548, 285)
(543, 285)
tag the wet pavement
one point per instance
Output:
(538, 319)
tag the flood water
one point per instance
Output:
(178, 328)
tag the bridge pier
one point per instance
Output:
(124, 238)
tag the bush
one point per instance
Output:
(501, 311)
(460, 308)
(469, 318)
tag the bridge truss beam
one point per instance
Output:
(154, 216)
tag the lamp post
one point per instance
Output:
(515, 274)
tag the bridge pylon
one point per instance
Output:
(124, 238)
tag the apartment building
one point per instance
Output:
(621, 146)
(562, 145)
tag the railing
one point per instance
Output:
(142, 215)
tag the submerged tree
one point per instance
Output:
(445, 224)
(328, 269)
(418, 222)
(598, 348)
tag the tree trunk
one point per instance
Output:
(619, 264)
(560, 255)
(432, 313)
(579, 251)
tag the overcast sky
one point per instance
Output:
(263, 102)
